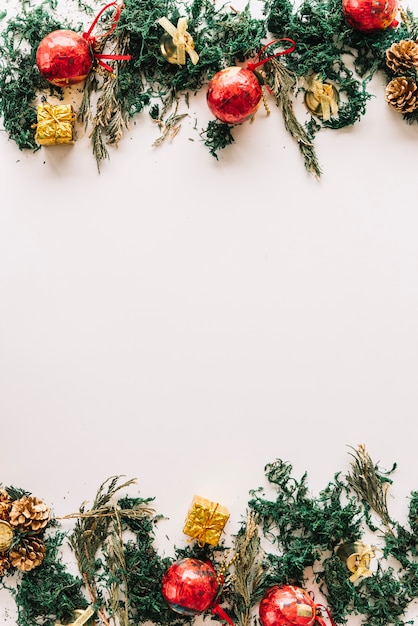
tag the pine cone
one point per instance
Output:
(28, 554)
(402, 94)
(29, 513)
(5, 504)
(402, 55)
(4, 564)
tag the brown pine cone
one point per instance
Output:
(28, 554)
(5, 504)
(29, 513)
(402, 94)
(4, 564)
(402, 55)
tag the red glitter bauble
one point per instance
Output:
(287, 606)
(189, 586)
(64, 57)
(233, 95)
(370, 15)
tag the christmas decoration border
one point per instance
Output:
(335, 90)
(298, 539)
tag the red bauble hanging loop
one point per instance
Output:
(370, 15)
(234, 93)
(190, 586)
(65, 57)
(289, 605)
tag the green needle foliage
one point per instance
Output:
(244, 590)
(49, 593)
(292, 537)
(98, 544)
(20, 80)
(370, 484)
(326, 47)
(144, 570)
(305, 531)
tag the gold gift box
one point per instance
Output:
(55, 124)
(205, 521)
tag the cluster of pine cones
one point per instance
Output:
(402, 62)
(22, 521)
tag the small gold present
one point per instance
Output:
(55, 124)
(205, 521)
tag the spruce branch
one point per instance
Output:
(109, 119)
(119, 604)
(282, 83)
(248, 571)
(169, 128)
(97, 535)
(370, 484)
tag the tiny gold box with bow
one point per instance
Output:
(55, 124)
(205, 521)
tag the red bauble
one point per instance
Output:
(370, 15)
(64, 57)
(190, 586)
(287, 606)
(233, 95)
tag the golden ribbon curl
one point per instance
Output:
(322, 98)
(357, 556)
(182, 40)
(81, 616)
(359, 563)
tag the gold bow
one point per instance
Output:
(326, 96)
(359, 562)
(80, 617)
(182, 40)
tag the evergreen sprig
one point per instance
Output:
(370, 483)
(97, 543)
(121, 570)
(244, 590)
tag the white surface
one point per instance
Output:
(186, 321)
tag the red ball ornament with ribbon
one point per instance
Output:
(190, 586)
(65, 57)
(234, 93)
(289, 605)
(371, 15)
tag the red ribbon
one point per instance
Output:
(319, 619)
(253, 66)
(92, 40)
(218, 610)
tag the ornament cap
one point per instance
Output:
(169, 49)
(6, 536)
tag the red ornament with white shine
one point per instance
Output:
(370, 15)
(287, 606)
(64, 57)
(190, 586)
(233, 95)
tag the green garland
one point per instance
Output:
(292, 538)
(327, 49)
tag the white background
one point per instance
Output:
(185, 321)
